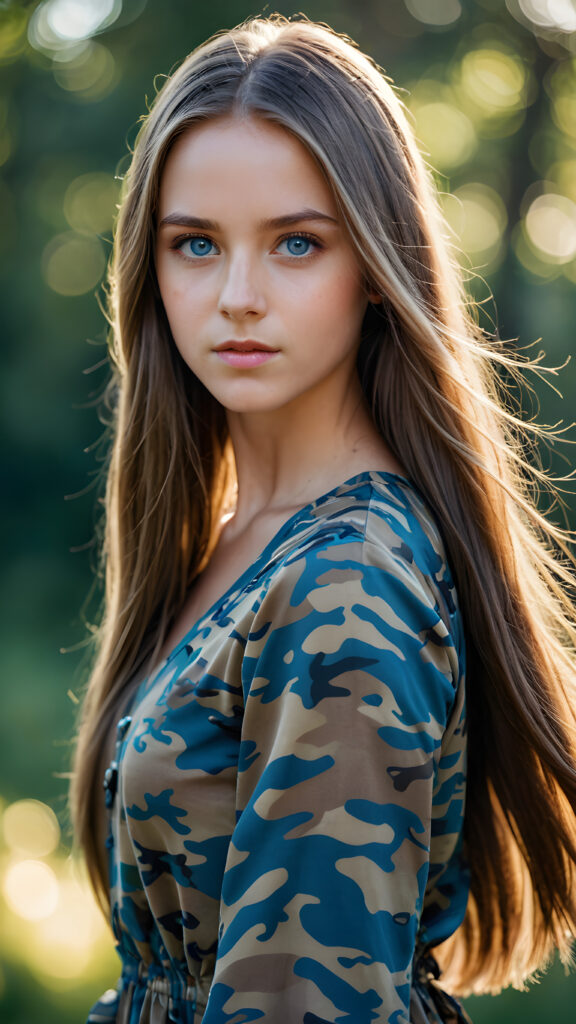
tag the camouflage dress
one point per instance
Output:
(286, 799)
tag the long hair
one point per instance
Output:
(433, 383)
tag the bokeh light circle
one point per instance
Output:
(494, 81)
(31, 889)
(60, 25)
(477, 217)
(30, 828)
(563, 174)
(13, 34)
(435, 12)
(91, 75)
(67, 938)
(73, 264)
(552, 14)
(78, 19)
(90, 202)
(446, 134)
(564, 112)
(483, 218)
(551, 227)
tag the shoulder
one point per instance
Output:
(403, 538)
(371, 544)
(378, 526)
(366, 588)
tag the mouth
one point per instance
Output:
(243, 355)
(243, 346)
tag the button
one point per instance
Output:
(123, 726)
(111, 783)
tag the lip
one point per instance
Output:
(244, 354)
(246, 345)
(245, 359)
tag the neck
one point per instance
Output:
(289, 456)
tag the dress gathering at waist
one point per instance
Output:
(151, 998)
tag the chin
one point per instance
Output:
(247, 407)
(250, 403)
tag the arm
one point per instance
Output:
(349, 681)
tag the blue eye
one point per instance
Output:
(298, 245)
(198, 245)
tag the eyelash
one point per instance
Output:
(178, 242)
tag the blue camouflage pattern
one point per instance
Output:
(286, 796)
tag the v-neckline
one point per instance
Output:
(252, 570)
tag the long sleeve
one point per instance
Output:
(350, 673)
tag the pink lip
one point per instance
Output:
(248, 358)
(243, 345)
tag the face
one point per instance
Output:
(261, 286)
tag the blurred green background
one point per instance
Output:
(492, 89)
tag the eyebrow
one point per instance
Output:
(185, 220)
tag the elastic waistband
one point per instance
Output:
(157, 979)
(168, 986)
(149, 998)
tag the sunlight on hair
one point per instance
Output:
(435, 12)
(30, 828)
(31, 889)
(73, 264)
(90, 202)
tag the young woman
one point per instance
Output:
(319, 523)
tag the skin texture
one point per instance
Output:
(297, 422)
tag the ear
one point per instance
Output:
(372, 295)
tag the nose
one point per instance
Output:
(241, 292)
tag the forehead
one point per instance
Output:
(248, 161)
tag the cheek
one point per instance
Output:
(339, 305)
(174, 292)
(183, 304)
(180, 289)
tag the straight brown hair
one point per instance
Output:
(434, 384)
